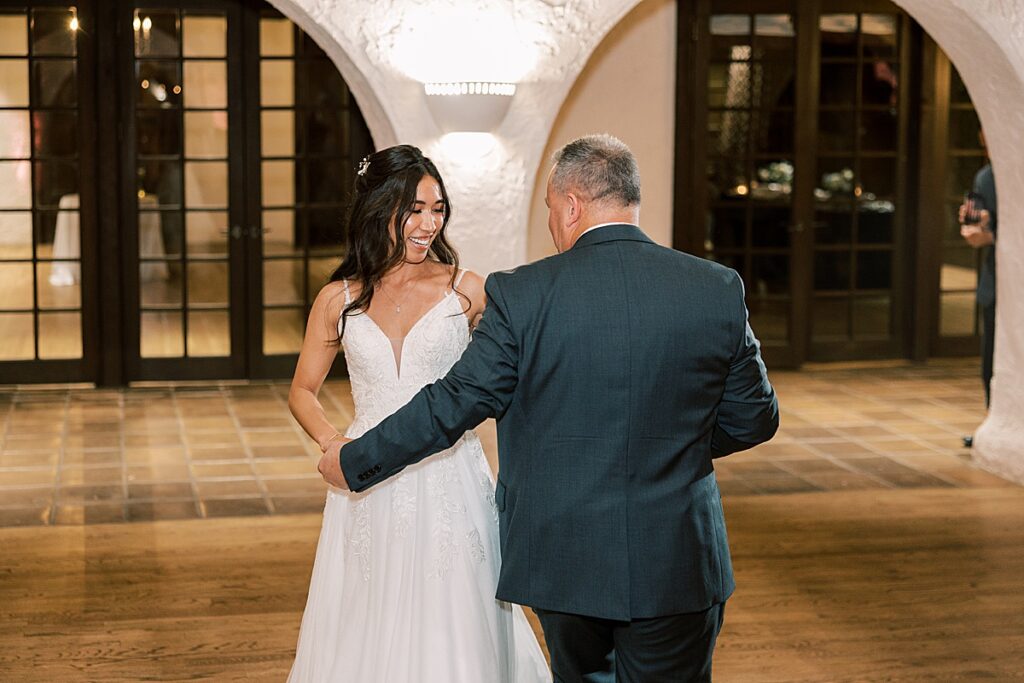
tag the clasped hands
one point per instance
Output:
(329, 466)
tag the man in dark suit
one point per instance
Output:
(617, 370)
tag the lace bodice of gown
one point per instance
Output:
(380, 386)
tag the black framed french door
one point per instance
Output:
(182, 187)
(241, 138)
(792, 168)
(48, 274)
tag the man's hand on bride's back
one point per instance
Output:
(329, 466)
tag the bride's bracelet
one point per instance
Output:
(327, 442)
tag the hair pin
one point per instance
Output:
(363, 165)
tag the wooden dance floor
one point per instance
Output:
(167, 533)
(877, 585)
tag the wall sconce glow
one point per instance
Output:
(469, 106)
(467, 146)
(463, 42)
(74, 24)
(464, 88)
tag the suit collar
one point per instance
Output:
(612, 233)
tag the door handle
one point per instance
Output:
(797, 227)
(236, 232)
(255, 232)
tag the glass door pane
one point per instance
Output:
(40, 156)
(311, 137)
(751, 87)
(965, 156)
(182, 176)
(856, 218)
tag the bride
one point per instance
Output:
(405, 574)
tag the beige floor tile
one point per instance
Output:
(142, 491)
(208, 470)
(29, 516)
(228, 489)
(154, 456)
(28, 496)
(27, 477)
(144, 511)
(78, 458)
(312, 484)
(100, 513)
(31, 444)
(104, 442)
(91, 475)
(90, 493)
(298, 466)
(285, 505)
(235, 507)
(157, 472)
(218, 453)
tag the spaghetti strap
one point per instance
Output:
(348, 296)
(458, 278)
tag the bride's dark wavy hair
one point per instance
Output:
(386, 192)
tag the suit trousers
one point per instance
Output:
(672, 648)
(988, 340)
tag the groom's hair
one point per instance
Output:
(599, 167)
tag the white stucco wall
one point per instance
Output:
(387, 48)
(984, 38)
(628, 89)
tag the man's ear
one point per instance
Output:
(574, 208)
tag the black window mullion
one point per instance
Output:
(33, 97)
(182, 204)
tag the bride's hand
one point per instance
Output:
(335, 439)
(329, 466)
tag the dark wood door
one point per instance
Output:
(793, 168)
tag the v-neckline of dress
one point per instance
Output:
(398, 357)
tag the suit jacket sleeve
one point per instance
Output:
(749, 411)
(479, 385)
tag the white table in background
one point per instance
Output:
(66, 271)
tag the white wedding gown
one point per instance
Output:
(404, 579)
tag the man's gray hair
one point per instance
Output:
(599, 167)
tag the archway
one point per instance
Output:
(317, 23)
(982, 38)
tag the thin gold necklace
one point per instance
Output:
(398, 304)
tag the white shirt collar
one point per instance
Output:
(603, 225)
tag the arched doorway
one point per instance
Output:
(174, 192)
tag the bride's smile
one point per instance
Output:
(424, 221)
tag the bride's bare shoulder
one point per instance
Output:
(332, 295)
(471, 286)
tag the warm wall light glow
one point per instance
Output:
(468, 146)
(465, 88)
(74, 23)
(475, 42)
(137, 23)
(147, 24)
(145, 83)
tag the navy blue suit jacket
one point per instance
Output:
(617, 371)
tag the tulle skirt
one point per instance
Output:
(404, 580)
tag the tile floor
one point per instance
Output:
(87, 456)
